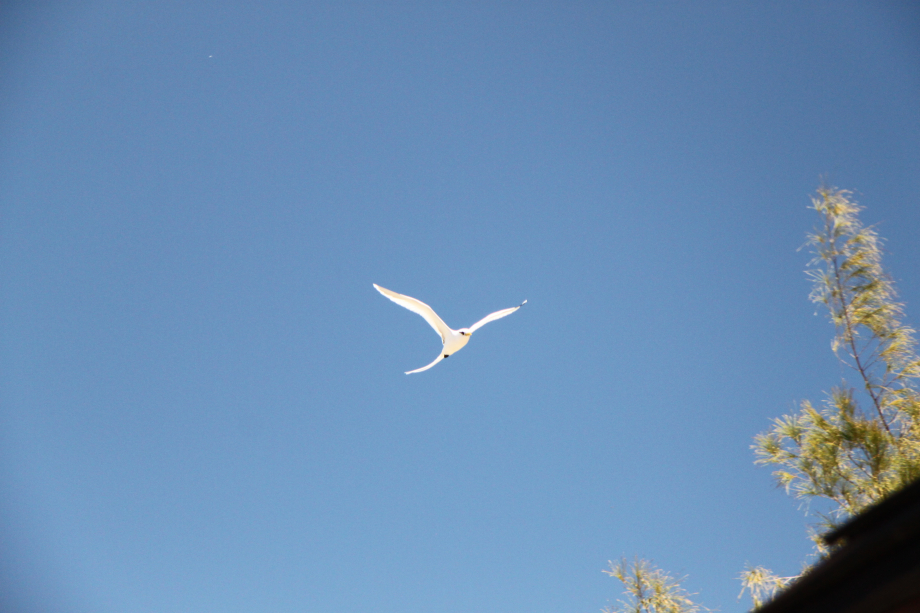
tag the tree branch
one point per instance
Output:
(851, 340)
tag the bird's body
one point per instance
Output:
(453, 340)
(454, 343)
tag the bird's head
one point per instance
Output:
(465, 332)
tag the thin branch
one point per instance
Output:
(850, 337)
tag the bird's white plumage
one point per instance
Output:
(494, 316)
(436, 360)
(453, 340)
(420, 308)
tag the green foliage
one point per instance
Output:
(849, 452)
(861, 444)
(650, 590)
(762, 584)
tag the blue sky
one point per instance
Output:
(203, 398)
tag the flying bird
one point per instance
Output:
(453, 340)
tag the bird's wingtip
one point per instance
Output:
(523, 303)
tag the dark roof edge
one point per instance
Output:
(881, 512)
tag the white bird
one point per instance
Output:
(453, 340)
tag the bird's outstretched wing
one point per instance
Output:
(438, 359)
(494, 316)
(419, 307)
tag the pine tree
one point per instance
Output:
(862, 443)
(650, 590)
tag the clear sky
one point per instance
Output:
(202, 398)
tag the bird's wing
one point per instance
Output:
(438, 359)
(417, 306)
(494, 316)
